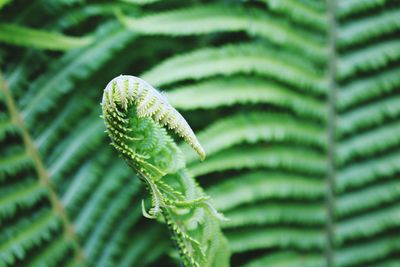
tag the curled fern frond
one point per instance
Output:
(134, 114)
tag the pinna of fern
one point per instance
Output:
(134, 113)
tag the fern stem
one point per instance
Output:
(330, 183)
(44, 178)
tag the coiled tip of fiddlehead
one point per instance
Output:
(124, 92)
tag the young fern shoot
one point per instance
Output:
(135, 115)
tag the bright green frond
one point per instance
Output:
(368, 116)
(370, 28)
(368, 171)
(140, 2)
(368, 225)
(219, 92)
(288, 259)
(368, 88)
(304, 13)
(352, 7)
(242, 240)
(255, 127)
(365, 252)
(250, 58)
(22, 195)
(26, 234)
(53, 254)
(296, 102)
(368, 198)
(218, 18)
(369, 59)
(272, 157)
(261, 185)
(369, 143)
(22, 36)
(74, 65)
(275, 213)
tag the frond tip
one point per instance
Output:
(134, 114)
(125, 90)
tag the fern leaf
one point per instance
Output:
(53, 254)
(94, 244)
(288, 259)
(18, 35)
(369, 116)
(134, 112)
(82, 182)
(368, 198)
(241, 90)
(12, 164)
(368, 171)
(69, 152)
(233, 59)
(356, 148)
(366, 89)
(255, 127)
(299, 160)
(261, 185)
(22, 195)
(366, 252)
(7, 128)
(48, 138)
(117, 245)
(241, 240)
(135, 251)
(51, 86)
(274, 213)
(349, 7)
(214, 18)
(90, 211)
(27, 234)
(140, 2)
(370, 28)
(300, 12)
(368, 225)
(82, 14)
(388, 263)
(369, 59)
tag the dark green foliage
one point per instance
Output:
(296, 103)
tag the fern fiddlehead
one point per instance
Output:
(134, 114)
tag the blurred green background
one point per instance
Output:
(296, 103)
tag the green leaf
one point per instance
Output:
(23, 36)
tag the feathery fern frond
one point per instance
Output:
(261, 185)
(133, 112)
(305, 13)
(288, 259)
(255, 127)
(312, 86)
(18, 35)
(219, 92)
(255, 238)
(270, 213)
(214, 18)
(249, 58)
(280, 157)
(73, 65)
